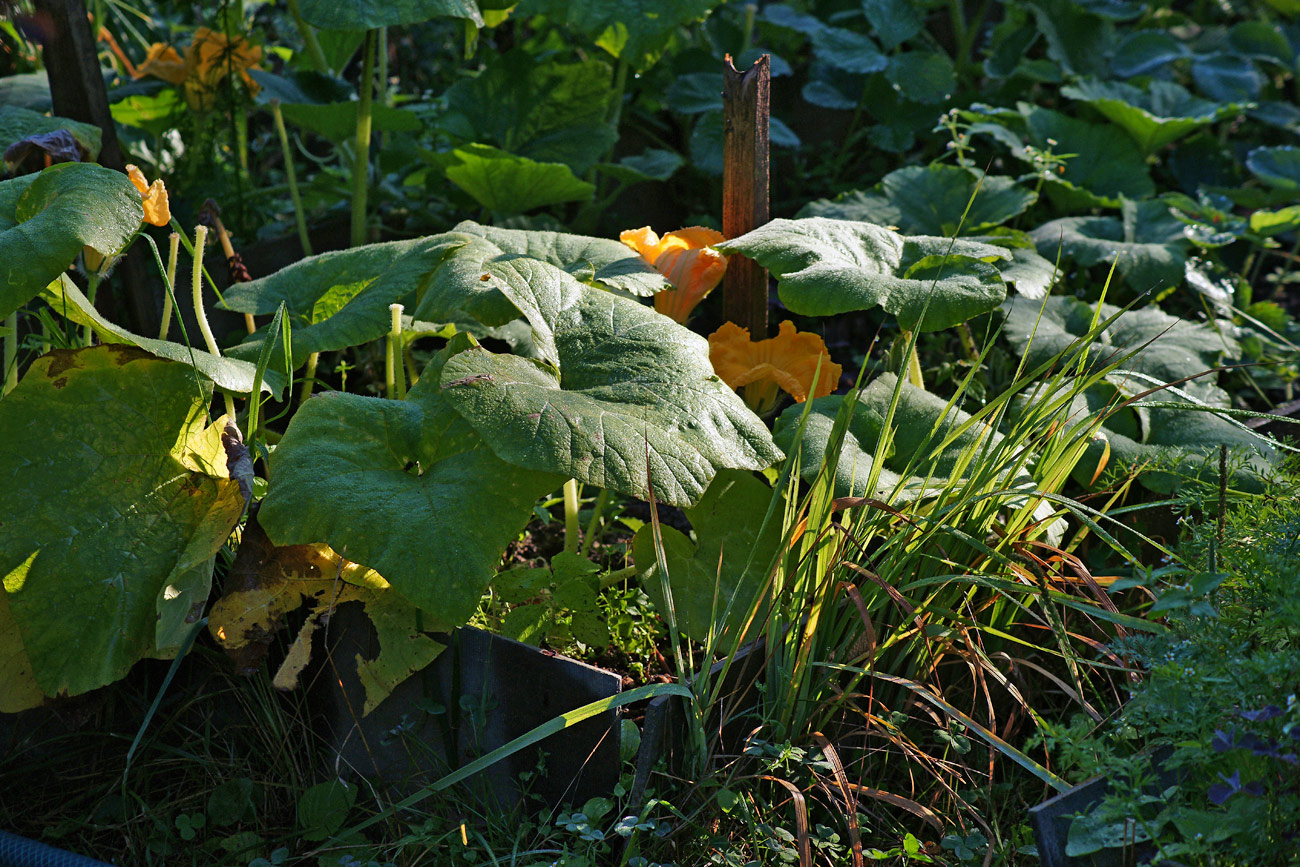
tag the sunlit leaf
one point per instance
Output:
(509, 184)
(617, 391)
(827, 266)
(384, 483)
(46, 220)
(231, 374)
(725, 569)
(127, 499)
(1147, 243)
(1161, 114)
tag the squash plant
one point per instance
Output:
(425, 492)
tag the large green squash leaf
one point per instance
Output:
(725, 569)
(64, 208)
(931, 200)
(18, 688)
(1031, 274)
(927, 77)
(824, 267)
(600, 262)
(1279, 167)
(407, 488)
(1158, 116)
(1103, 169)
(615, 387)
(231, 374)
(509, 184)
(1166, 348)
(341, 299)
(17, 123)
(126, 499)
(1167, 446)
(370, 14)
(635, 31)
(912, 454)
(1147, 244)
(549, 112)
(1076, 39)
(893, 21)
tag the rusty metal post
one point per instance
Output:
(746, 109)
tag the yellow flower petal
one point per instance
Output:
(209, 57)
(163, 61)
(790, 360)
(157, 211)
(684, 257)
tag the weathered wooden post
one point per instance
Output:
(745, 112)
(77, 92)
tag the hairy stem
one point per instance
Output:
(361, 153)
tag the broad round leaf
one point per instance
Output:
(1148, 241)
(847, 50)
(341, 299)
(926, 77)
(231, 374)
(372, 14)
(826, 266)
(52, 216)
(893, 21)
(543, 110)
(715, 582)
(17, 123)
(126, 498)
(617, 390)
(1279, 167)
(404, 487)
(1165, 347)
(931, 200)
(1154, 118)
(509, 184)
(1145, 52)
(1104, 167)
(1227, 77)
(595, 261)
(635, 31)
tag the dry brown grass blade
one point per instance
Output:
(850, 798)
(899, 801)
(800, 819)
(1061, 684)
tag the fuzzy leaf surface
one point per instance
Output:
(707, 578)
(406, 488)
(1149, 242)
(825, 266)
(46, 220)
(614, 386)
(126, 500)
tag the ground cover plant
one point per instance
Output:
(1032, 281)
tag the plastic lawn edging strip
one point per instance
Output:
(543, 731)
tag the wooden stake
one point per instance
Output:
(746, 108)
